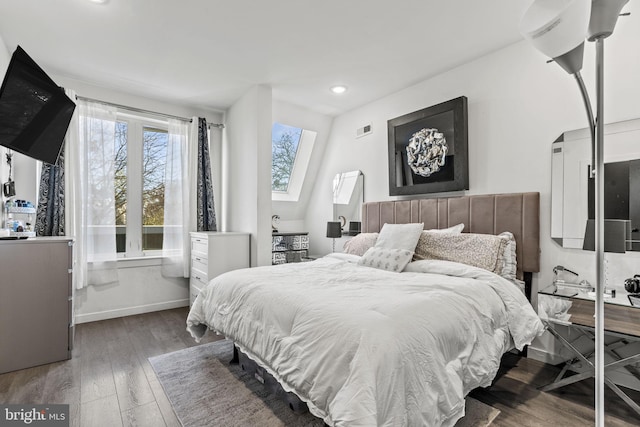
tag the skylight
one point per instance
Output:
(291, 149)
(284, 147)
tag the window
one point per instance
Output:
(291, 149)
(141, 150)
(154, 161)
(284, 146)
(120, 186)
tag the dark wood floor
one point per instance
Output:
(515, 393)
(109, 381)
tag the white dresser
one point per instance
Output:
(214, 253)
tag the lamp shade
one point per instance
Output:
(556, 27)
(334, 229)
(604, 16)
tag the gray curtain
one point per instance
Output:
(206, 209)
(50, 212)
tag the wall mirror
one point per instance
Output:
(348, 196)
(572, 191)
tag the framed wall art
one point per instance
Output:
(428, 150)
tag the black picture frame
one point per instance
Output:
(450, 118)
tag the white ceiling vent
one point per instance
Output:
(363, 131)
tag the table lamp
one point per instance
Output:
(334, 231)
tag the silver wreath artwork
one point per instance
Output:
(426, 151)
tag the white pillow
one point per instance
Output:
(509, 261)
(389, 259)
(456, 229)
(399, 236)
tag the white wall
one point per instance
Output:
(141, 287)
(518, 105)
(5, 56)
(246, 194)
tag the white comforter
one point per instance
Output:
(366, 347)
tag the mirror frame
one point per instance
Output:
(355, 198)
(569, 186)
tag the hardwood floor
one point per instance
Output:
(515, 393)
(109, 382)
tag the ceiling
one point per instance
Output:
(208, 53)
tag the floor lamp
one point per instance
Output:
(558, 28)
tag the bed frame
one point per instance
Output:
(518, 213)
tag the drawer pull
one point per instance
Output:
(198, 259)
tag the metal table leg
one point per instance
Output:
(560, 381)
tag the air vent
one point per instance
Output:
(364, 130)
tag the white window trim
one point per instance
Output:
(135, 129)
(300, 167)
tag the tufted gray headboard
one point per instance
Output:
(518, 213)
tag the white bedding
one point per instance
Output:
(366, 347)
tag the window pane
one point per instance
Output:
(154, 161)
(121, 186)
(284, 146)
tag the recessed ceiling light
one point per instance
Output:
(99, 1)
(339, 89)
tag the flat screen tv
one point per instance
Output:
(34, 111)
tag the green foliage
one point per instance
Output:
(284, 156)
(154, 146)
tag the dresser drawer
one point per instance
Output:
(199, 263)
(193, 293)
(199, 245)
(289, 247)
(198, 279)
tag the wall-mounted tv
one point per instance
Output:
(34, 111)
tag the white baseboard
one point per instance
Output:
(130, 311)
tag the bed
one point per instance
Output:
(367, 346)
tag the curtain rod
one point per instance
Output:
(140, 110)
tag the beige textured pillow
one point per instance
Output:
(478, 250)
(456, 229)
(359, 244)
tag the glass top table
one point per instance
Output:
(574, 306)
(620, 316)
(575, 291)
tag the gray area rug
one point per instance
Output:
(205, 390)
